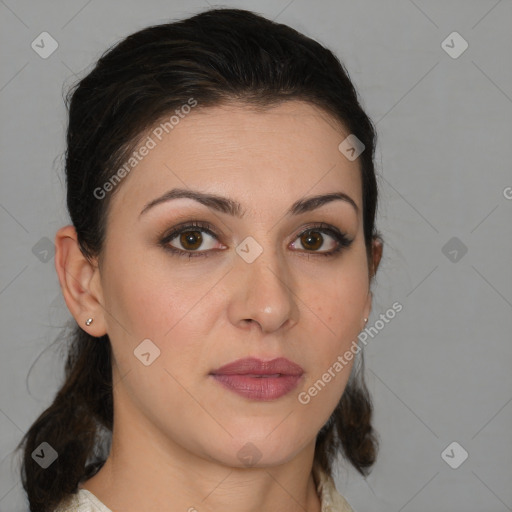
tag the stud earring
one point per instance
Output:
(365, 320)
(88, 322)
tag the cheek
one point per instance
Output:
(332, 345)
(339, 301)
(333, 316)
(165, 308)
(151, 298)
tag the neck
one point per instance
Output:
(172, 478)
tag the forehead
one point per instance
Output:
(277, 154)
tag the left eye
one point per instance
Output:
(314, 239)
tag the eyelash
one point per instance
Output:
(340, 237)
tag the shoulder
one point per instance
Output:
(82, 501)
(330, 498)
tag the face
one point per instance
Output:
(260, 271)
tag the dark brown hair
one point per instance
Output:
(215, 57)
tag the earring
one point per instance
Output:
(365, 320)
(88, 322)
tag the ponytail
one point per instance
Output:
(72, 425)
(349, 429)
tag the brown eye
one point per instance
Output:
(195, 239)
(311, 240)
(324, 240)
(191, 240)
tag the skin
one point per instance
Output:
(177, 432)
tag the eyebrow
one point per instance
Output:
(231, 207)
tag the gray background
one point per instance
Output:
(440, 370)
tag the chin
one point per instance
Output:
(246, 451)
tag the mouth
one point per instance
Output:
(259, 380)
(261, 376)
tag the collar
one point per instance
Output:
(330, 499)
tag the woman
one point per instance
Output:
(222, 193)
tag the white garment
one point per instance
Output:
(330, 499)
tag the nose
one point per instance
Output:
(262, 294)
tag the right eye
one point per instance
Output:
(186, 240)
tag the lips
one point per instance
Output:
(257, 367)
(259, 380)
